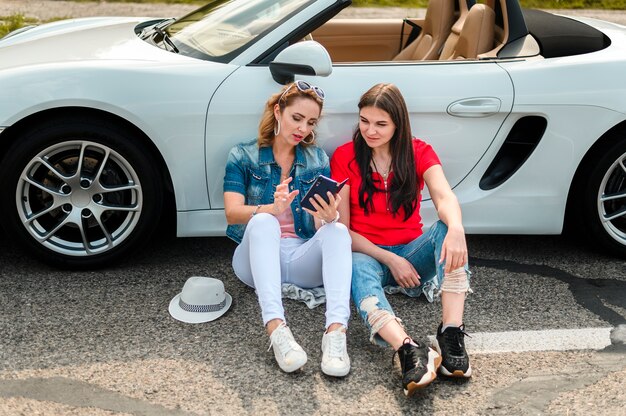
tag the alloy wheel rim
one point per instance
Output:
(612, 200)
(79, 198)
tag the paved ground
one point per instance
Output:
(103, 343)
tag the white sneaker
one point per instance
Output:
(289, 355)
(335, 360)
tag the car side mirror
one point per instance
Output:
(304, 58)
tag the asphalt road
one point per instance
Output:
(102, 342)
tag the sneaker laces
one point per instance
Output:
(455, 340)
(410, 355)
(335, 344)
(280, 337)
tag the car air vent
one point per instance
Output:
(519, 144)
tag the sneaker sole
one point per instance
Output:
(336, 373)
(293, 367)
(444, 371)
(434, 361)
(456, 373)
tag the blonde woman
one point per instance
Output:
(279, 240)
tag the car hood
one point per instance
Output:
(99, 38)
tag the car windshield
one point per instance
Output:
(223, 28)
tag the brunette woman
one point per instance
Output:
(387, 169)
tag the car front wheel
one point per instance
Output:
(602, 211)
(79, 194)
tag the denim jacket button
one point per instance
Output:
(297, 209)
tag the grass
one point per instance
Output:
(198, 2)
(538, 4)
(575, 4)
(534, 4)
(10, 23)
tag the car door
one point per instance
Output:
(457, 107)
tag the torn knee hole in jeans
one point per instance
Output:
(376, 317)
(456, 282)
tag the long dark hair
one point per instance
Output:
(403, 187)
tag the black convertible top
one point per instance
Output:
(562, 36)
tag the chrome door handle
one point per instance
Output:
(475, 107)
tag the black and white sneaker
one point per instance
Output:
(451, 345)
(419, 366)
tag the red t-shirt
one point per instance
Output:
(380, 226)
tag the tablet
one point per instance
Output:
(321, 186)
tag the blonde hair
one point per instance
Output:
(268, 121)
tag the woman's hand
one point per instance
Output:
(282, 197)
(403, 271)
(454, 249)
(325, 211)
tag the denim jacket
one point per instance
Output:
(253, 172)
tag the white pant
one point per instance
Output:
(264, 261)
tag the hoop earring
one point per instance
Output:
(277, 127)
(310, 141)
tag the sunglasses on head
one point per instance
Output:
(304, 86)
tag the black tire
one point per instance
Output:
(79, 220)
(600, 211)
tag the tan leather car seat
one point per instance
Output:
(477, 36)
(450, 44)
(501, 32)
(437, 23)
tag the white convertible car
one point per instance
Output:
(109, 124)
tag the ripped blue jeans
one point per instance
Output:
(371, 279)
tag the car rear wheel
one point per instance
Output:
(602, 211)
(79, 195)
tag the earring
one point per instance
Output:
(277, 127)
(310, 141)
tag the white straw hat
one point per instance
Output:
(203, 299)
